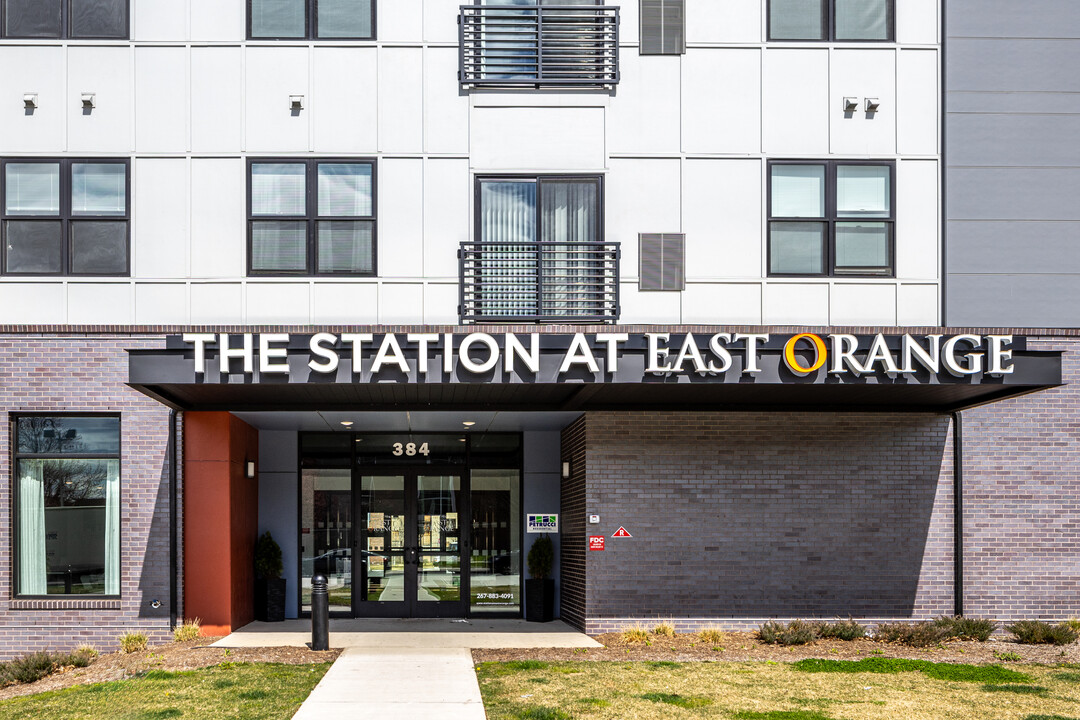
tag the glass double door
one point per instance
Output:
(409, 545)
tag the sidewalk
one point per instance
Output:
(399, 683)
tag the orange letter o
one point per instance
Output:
(819, 349)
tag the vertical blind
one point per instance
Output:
(663, 27)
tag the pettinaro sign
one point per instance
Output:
(595, 357)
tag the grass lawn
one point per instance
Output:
(247, 691)
(874, 689)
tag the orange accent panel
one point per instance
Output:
(220, 520)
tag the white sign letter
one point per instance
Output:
(721, 352)
(389, 354)
(843, 352)
(268, 354)
(974, 359)
(200, 340)
(612, 341)
(998, 355)
(316, 346)
(750, 365)
(493, 353)
(929, 359)
(356, 344)
(879, 352)
(579, 354)
(690, 351)
(515, 349)
(656, 353)
(422, 341)
(246, 353)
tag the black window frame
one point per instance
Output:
(65, 25)
(828, 20)
(312, 217)
(311, 25)
(13, 424)
(830, 219)
(66, 216)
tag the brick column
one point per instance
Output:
(220, 521)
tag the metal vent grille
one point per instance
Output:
(663, 27)
(662, 258)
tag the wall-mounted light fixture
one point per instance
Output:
(566, 470)
(249, 468)
(30, 100)
(872, 105)
(851, 104)
(296, 103)
(89, 101)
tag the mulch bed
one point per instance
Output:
(174, 657)
(743, 646)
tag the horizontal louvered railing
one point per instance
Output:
(539, 282)
(539, 45)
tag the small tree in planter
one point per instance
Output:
(540, 590)
(269, 585)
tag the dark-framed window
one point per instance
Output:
(311, 217)
(832, 218)
(66, 217)
(662, 27)
(75, 19)
(311, 19)
(67, 505)
(835, 20)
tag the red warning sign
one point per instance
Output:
(596, 542)
(621, 532)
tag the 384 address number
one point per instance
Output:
(411, 449)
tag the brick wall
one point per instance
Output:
(574, 530)
(737, 517)
(87, 374)
(1022, 500)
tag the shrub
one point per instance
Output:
(635, 634)
(133, 642)
(665, 628)
(796, 632)
(83, 656)
(1037, 632)
(1074, 623)
(188, 631)
(30, 668)
(541, 557)
(712, 636)
(841, 630)
(1007, 656)
(967, 628)
(917, 634)
(267, 557)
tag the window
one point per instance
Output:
(539, 253)
(65, 217)
(78, 19)
(831, 218)
(662, 261)
(839, 20)
(311, 19)
(663, 27)
(67, 505)
(312, 217)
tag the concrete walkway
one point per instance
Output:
(404, 669)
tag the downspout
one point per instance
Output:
(958, 514)
(173, 494)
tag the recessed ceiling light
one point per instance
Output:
(468, 423)
(347, 423)
(461, 439)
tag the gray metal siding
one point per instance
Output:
(1012, 163)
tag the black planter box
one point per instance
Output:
(270, 600)
(540, 600)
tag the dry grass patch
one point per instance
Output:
(711, 636)
(773, 691)
(664, 629)
(635, 634)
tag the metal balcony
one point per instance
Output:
(539, 282)
(539, 46)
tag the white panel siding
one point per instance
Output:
(273, 75)
(217, 303)
(722, 303)
(106, 72)
(795, 99)
(33, 70)
(160, 235)
(161, 303)
(541, 138)
(649, 307)
(217, 99)
(345, 107)
(733, 21)
(218, 218)
(917, 102)
(401, 218)
(917, 21)
(721, 101)
(401, 302)
(722, 218)
(642, 197)
(854, 304)
(160, 20)
(161, 99)
(218, 20)
(441, 304)
(440, 21)
(99, 304)
(401, 99)
(400, 20)
(354, 303)
(795, 304)
(446, 110)
(917, 228)
(863, 74)
(272, 303)
(446, 215)
(644, 114)
(917, 305)
(23, 303)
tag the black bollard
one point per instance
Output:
(320, 614)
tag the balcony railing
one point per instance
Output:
(539, 46)
(575, 282)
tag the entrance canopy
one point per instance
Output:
(609, 370)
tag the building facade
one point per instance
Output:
(396, 281)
